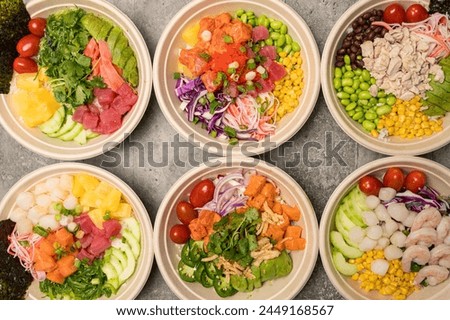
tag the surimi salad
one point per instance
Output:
(75, 77)
(239, 75)
(75, 235)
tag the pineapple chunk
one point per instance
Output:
(103, 189)
(82, 183)
(96, 216)
(91, 199)
(112, 200)
(124, 211)
(27, 81)
(189, 35)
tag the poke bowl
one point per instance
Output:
(238, 230)
(73, 231)
(384, 231)
(237, 73)
(384, 75)
(79, 105)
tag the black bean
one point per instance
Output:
(378, 29)
(366, 15)
(358, 30)
(357, 42)
(352, 56)
(359, 63)
(339, 63)
(346, 43)
(383, 32)
(380, 13)
(341, 51)
(355, 24)
(354, 48)
(340, 58)
(358, 37)
(360, 21)
(354, 66)
(372, 19)
(372, 35)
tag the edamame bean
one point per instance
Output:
(343, 95)
(355, 84)
(288, 39)
(358, 109)
(381, 94)
(281, 40)
(349, 74)
(373, 101)
(382, 101)
(261, 20)
(370, 115)
(295, 46)
(283, 29)
(344, 69)
(364, 86)
(347, 82)
(250, 13)
(269, 42)
(391, 100)
(373, 81)
(363, 102)
(368, 125)
(276, 25)
(351, 113)
(364, 95)
(354, 97)
(274, 35)
(358, 72)
(349, 90)
(347, 60)
(366, 75)
(361, 120)
(287, 48)
(279, 49)
(345, 102)
(243, 18)
(337, 72)
(357, 115)
(350, 106)
(252, 22)
(240, 12)
(376, 121)
(385, 109)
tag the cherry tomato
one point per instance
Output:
(415, 180)
(416, 13)
(370, 185)
(37, 26)
(394, 13)
(394, 178)
(28, 46)
(202, 193)
(186, 212)
(180, 233)
(25, 65)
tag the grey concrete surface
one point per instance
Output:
(319, 173)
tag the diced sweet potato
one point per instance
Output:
(279, 246)
(292, 212)
(269, 191)
(274, 232)
(255, 185)
(43, 262)
(293, 232)
(55, 276)
(295, 244)
(64, 238)
(257, 202)
(66, 265)
(277, 208)
(46, 247)
(198, 231)
(286, 222)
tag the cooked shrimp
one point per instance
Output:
(438, 253)
(417, 254)
(425, 236)
(443, 229)
(445, 262)
(433, 274)
(427, 218)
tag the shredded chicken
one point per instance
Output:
(264, 252)
(268, 217)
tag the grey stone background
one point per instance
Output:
(319, 173)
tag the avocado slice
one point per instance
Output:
(92, 23)
(104, 31)
(433, 110)
(121, 44)
(124, 57)
(441, 103)
(132, 77)
(112, 37)
(439, 91)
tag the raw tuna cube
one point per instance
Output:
(110, 121)
(79, 113)
(85, 223)
(267, 85)
(270, 52)
(260, 33)
(120, 105)
(84, 254)
(86, 240)
(276, 71)
(112, 228)
(90, 120)
(99, 245)
(104, 96)
(125, 90)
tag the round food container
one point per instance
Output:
(393, 145)
(134, 284)
(166, 64)
(438, 178)
(36, 141)
(168, 253)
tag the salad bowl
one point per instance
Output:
(168, 253)
(39, 142)
(392, 144)
(29, 184)
(437, 178)
(167, 66)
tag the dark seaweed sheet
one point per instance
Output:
(14, 280)
(442, 6)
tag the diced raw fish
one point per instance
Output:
(276, 71)
(79, 113)
(99, 245)
(112, 228)
(267, 85)
(90, 120)
(120, 105)
(110, 121)
(105, 96)
(260, 33)
(270, 52)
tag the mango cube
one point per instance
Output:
(96, 216)
(112, 200)
(27, 81)
(189, 35)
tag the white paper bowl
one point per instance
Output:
(166, 57)
(131, 288)
(438, 177)
(396, 145)
(168, 254)
(36, 141)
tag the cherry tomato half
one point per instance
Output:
(180, 233)
(202, 193)
(186, 212)
(25, 65)
(37, 26)
(394, 178)
(28, 46)
(416, 13)
(415, 180)
(370, 185)
(394, 13)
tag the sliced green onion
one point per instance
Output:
(210, 96)
(231, 70)
(233, 141)
(176, 75)
(213, 106)
(40, 231)
(95, 281)
(196, 120)
(231, 132)
(241, 88)
(242, 49)
(213, 134)
(205, 56)
(202, 101)
(57, 217)
(265, 75)
(227, 39)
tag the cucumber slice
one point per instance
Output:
(121, 257)
(131, 264)
(337, 240)
(116, 264)
(132, 242)
(81, 137)
(66, 127)
(55, 122)
(346, 222)
(133, 225)
(347, 269)
(109, 270)
(91, 135)
(69, 136)
(115, 284)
